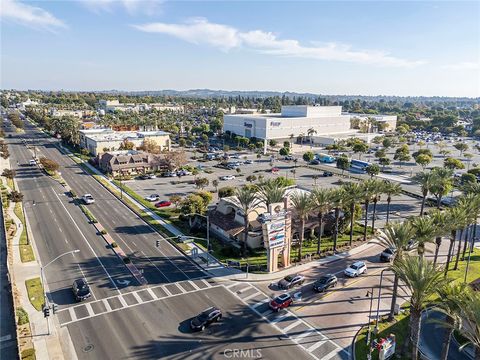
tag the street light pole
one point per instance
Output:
(42, 270)
(378, 302)
(208, 234)
(369, 293)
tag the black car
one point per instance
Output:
(387, 254)
(325, 282)
(315, 162)
(81, 290)
(206, 318)
(327, 173)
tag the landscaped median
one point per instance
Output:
(26, 250)
(35, 292)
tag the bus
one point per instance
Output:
(324, 158)
(359, 165)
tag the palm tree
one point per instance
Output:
(449, 295)
(425, 231)
(456, 220)
(270, 192)
(368, 187)
(353, 192)
(391, 189)
(469, 305)
(377, 192)
(440, 220)
(442, 183)
(422, 279)
(425, 179)
(246, 199)
(310, 132)
(338, 200)
(291, 136)
(467, 203)
(474, 201)
(302, 204)
(396, 235)
(322, 202)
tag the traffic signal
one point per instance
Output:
(46, 311)
(54, 308)
(157, 243)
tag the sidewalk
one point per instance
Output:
(46, 346)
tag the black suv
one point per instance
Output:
(206, 318)
(327, 174)
(387, 254)
(81, 290)
(325, 282)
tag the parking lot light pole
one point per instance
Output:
(42, 270)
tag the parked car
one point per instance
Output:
(356, 269)
(388, 254)
(325, 282)
(315, 162)
(170, 174)
(147, 176)
(227, 177)
(163, 203)
(327, 174)
(88, 199)
(183, 173)
(274, 169)
(289, 157)
(235, 156)
(290, 281)
(152, 197)
(32, 162)
(205, 318)
(281, 302)
(248, 162)
(81, 290)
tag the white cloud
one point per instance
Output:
(200, 31)
(29, 15)
(465, 65)
(131, 6)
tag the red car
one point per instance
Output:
(163, 203)
(281, 302)
(275, 169)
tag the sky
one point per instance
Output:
(402, 48)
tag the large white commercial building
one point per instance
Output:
(296, 120)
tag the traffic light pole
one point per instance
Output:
(46, 306)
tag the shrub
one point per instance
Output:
(114, 244)
(103, 232)
(127, 260)
(22, 316)
(28, 354)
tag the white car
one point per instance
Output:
(88, 199)
(356, 269)
(152, 197)
(227, 177)
(32, 162)
(184, 173)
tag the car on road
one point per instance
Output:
(183, 173)
(235, 156)
(274, 169)
(32, 162)
(289, 157)
(388, 254)
(327, 174)
(315, 162)
(205, 318)
(290, 281)
(163, 203)
(356, 269)
(88, 199)
(248, 162)
(325, 282)
(152, 197)
(281, 302)
(81, 290)
(227, 177)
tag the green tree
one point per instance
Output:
(15, 196)
(339, 199)
(251, 178)
(461, 147)
(284, 151)
(9, 173)
(308, 156)
(247, 200)
(397, 236)
(201, 183)
(387, 143)
(425, 231)
(422, 279)
(270, 192)
(353, 193)
(321, 203)
(302, 205)
(391, 189)
(343, 163)
(423, 160)
(226, 191)
(49, 165)
(192, 204)
(442, 183)
(426, 182)
(272, 143)
(360, 148)
(373, 170)
(452, 163)
(369, 189)
(384, 161)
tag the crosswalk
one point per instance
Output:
(299, 331)
(91, 309)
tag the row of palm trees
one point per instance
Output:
(320, 202)
(425, 279)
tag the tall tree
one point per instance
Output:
(353, 193)
(368, 187)
(425, 231)
(302, 205)
(246, 199)
(322, 203)
(425, 180)
(338, 201)
(391, 189)
(422, 279)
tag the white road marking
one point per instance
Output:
(166, 290)
(161, 272)
(193, 284)
(72, 314)
(244, 289)
(206, 282)
(331, 354)
(280, 318)
(122, 301)
(180, 287)
(86, 241)
(292, 325)
(251, 296)
(89, 309)
(316, 345)
(230, 285)
(107, 305)
(260, 303)
(5, 338)
(150, 291)
(137, 297)
(302, 335)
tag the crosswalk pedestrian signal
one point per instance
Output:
(157, 243)
(46, 311)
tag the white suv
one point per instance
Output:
(356, 269)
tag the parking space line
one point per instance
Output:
(137, 297)
(107, 305)
(122, 301)
(72, 314)
(89, 309)
(166, 290)
(292, 325)
(206, 282)
(229, 286)
(180, 287)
